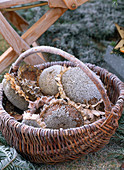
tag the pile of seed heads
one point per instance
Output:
(56, 97)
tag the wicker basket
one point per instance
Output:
(50, 146)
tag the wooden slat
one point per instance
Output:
(52, 3)
(32, 34)
(11, 57)
(57, 3)
(6, 61)
(11, 36)
(15, 41)
(120, 44)
(10, 3)
(120, 30)
(42, 25)
(61, 4)
(72, 4)
(19, 22)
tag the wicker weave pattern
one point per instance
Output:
(47, 145)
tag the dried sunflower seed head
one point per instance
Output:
(28, 72)
(78, 86)
(28, 78)
(62, 116)
(14, 93)
(47, 80)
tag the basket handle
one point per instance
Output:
(73, 59)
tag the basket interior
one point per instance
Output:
(109, 83)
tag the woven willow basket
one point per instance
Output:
(49, 146)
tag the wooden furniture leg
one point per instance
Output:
(30, 36)
(15, 41)
(11, 3)
(20, 23)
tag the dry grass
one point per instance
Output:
(3, 47)
(3, 44)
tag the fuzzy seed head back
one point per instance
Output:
(78, 86)
(14, 97)
(47, 80)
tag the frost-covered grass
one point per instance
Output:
(84, 32)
